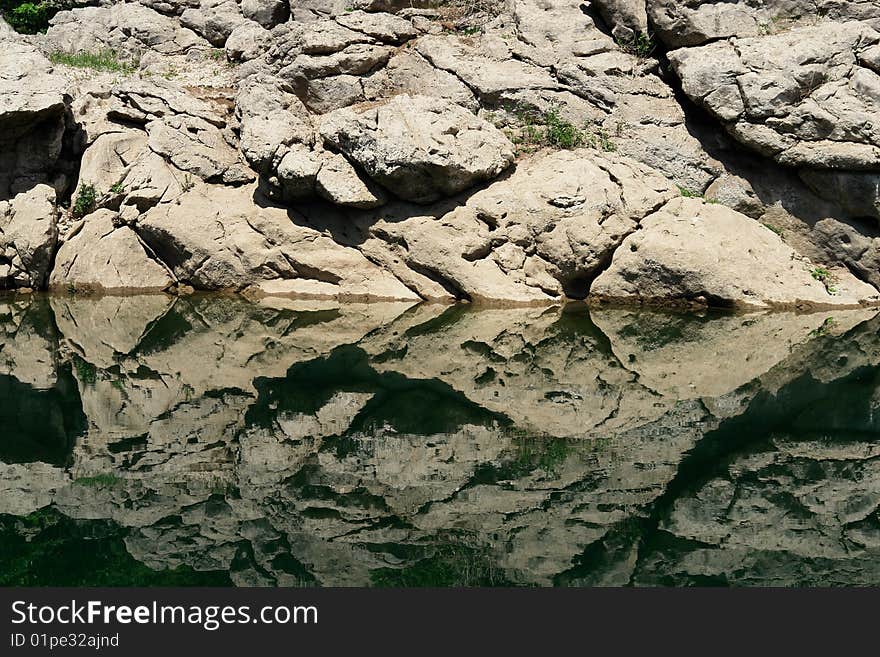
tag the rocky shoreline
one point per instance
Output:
(509, 152)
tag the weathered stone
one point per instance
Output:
(28, 233)
(214, 20)
(338, 182)
(32, 107)
(267, 13)
(419, 148)
(801, 97)
(102, 257)
(696, 252)
(219, 239)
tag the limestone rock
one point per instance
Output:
(129, 28)
(627, 18)
(32, 106)
(338, 182)
(267, 13)
(690, 250)
(417, 147)
(28, 233)
(214, 20)
(102, 257)
(217, 238)
(802, 97)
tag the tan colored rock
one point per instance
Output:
(102, 257)
(417, 147)
(692, 251)
(217, 238)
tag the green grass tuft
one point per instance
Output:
(105, 60)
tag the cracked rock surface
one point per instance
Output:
(507, 153)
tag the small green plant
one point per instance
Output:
(28, 18)
(104, 60)
(641, 45)
(86, 198)
(820, 274)
(560, 132)
(824, 329)
(85, 371)
(104, 480)
(117, 187)
(687, 193)
(775, 229)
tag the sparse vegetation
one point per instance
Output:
(688, 193)
(104, 60)
(117, 187)
(534, 130)
(825, 277)
(824, 329)
(104, 480)
(641, 45)
(86, 199)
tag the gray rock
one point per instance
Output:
(102, 257)
(419, 148)
(267, 13)
(28, 234)
(214, 20)
(692, 251)
(801, 97)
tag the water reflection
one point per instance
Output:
(148, 440)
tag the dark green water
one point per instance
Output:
(209, 441)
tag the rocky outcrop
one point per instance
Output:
(32, 119)
(809, 97)
(422, 149)
(431, 147)
(692, 251)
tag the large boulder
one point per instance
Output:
(100, 257)
(129, 29)
(691, 251)
(539, 235)
(809, 97)
(33, 103)
(28, 233)
(417, 147)
(218, 238)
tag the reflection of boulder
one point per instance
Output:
(292, 443)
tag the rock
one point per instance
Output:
(489, 71)
(129, 29)
(214, 20)
(217, 238)
(690, 250)
(196, 146)
(680, 24)
(267, 13)
(33, 103)
(545, 231)
(801, 97)
(338, 182)
(407, 72)
(417, 147)
(28, 233)
(858, 192)
(627, 18)
(101, 257)
(106, 162)
(382, 26)
(247, 41)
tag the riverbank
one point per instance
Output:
(497, 152)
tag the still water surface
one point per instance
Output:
(150, 441)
